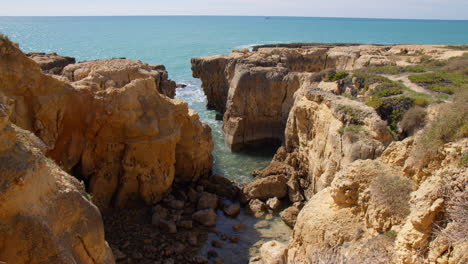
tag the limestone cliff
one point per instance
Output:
(324, 134)
(255, 90)
(45, 214)
(373, 212)
(109, 124)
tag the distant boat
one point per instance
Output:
(267, 17)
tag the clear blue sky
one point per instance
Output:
(420, 9)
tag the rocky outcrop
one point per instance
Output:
(51, 63)
(110, 125)
(324, 134)
(116, 73)
(46, 215)
(374, 204)
(256, 90)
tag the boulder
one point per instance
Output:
(274, 203)
(274, 252)
(257, 208)
(267, 187)
(207, 200)
(289, 215)
(232, 210)
(206, 217)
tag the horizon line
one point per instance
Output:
(265, 16)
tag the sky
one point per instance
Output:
(414, 9)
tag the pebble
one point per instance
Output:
(217, 243)
(238, 227)
(234, 239)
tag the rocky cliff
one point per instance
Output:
(255, 90)
(109, 123)
(45, 214)
(373, 212)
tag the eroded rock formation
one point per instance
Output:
(324, 134)
(109, 125)
(45, 214)
(373, 212)
(51, 63)
(256, 90)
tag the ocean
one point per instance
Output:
(173, 40)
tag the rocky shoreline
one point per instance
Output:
(101, 165)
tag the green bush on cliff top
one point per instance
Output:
(335, 76)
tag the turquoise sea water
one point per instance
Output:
(173, 40)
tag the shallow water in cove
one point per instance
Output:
(172, 41)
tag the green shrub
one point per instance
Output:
(351, 128)
(350, 114)
(391, 109)
(391, 69)
(391, 234)
(450, 124)
(457, 47)
(440, 88)
(389, 92)
(415, 69)
(335, 76)
(427, 78)
(393, 192)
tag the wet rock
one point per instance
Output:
(181, 85)
(255, 260)
(274, 203)
(218, 261)
(262, 224)
(207, 200)
(289, 215)
(267, 187)
(232, 210)
(234, 239)
(222, 187)
(218, 117)
(238, 227)
(274, 252)
(212, 254)
(206, 217)
(224, 236)
(257, 208)
(217, 243)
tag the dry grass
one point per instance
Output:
(393, 192)
(450, 125)
(328, 256)
(413, 120)
(457, 216)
